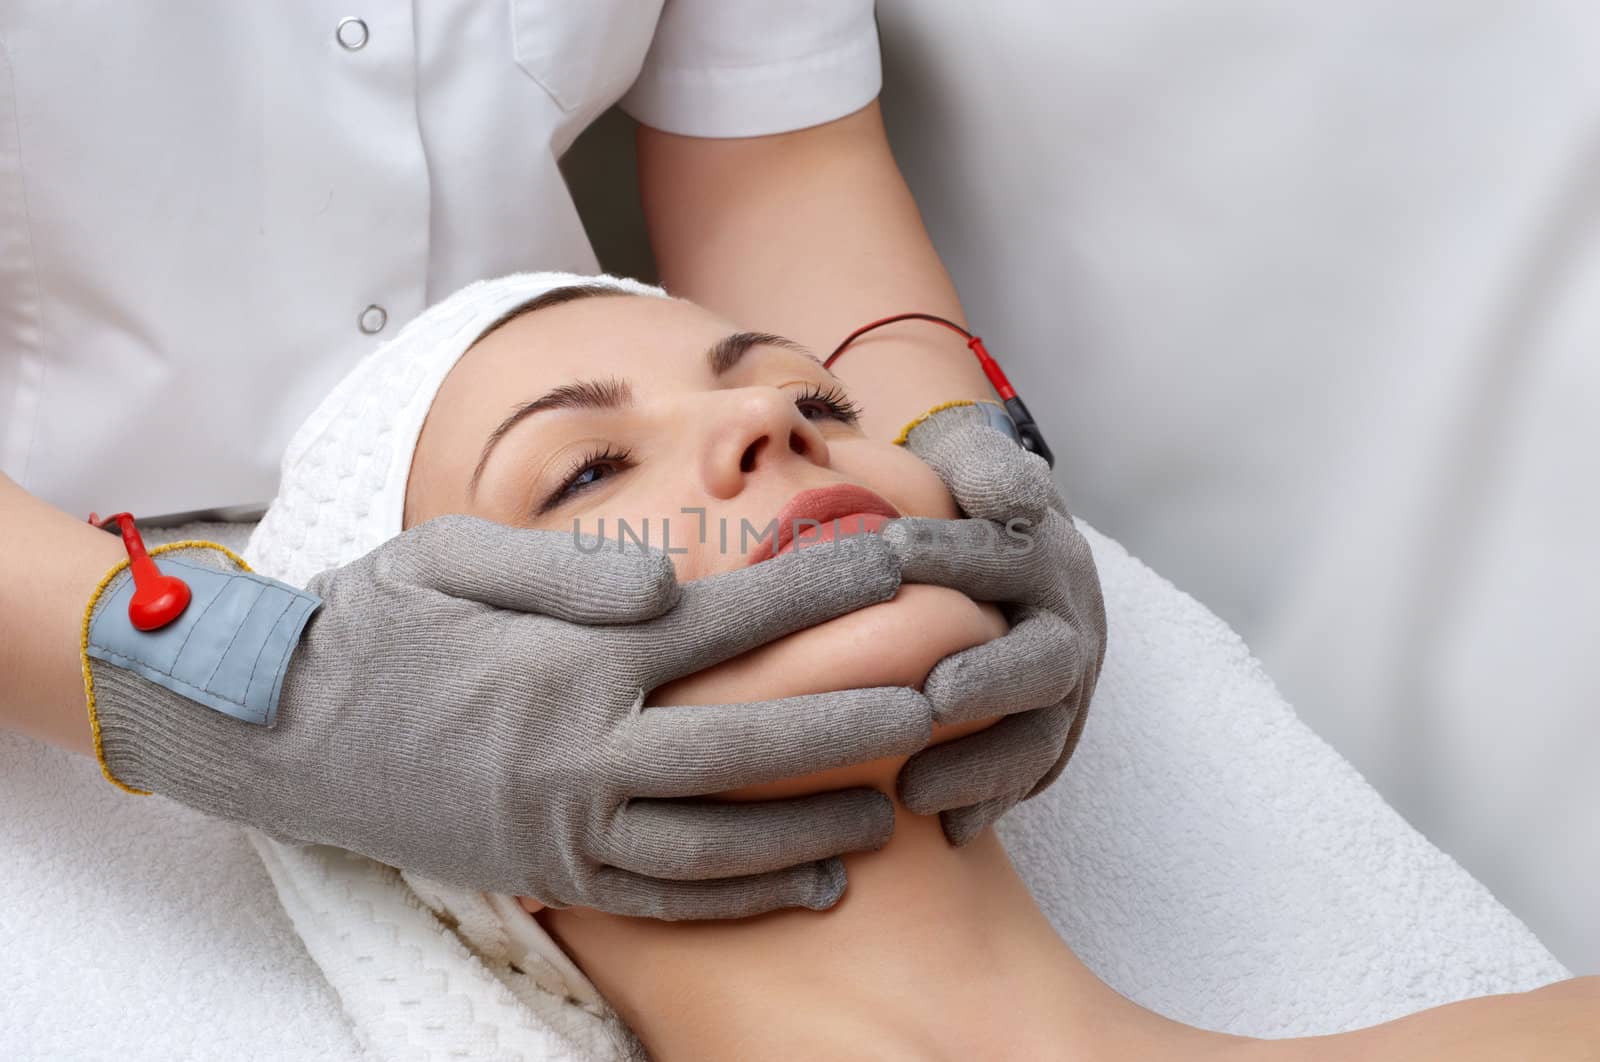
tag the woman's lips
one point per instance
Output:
(824, 514)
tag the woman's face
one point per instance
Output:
(640, 426)
(645, 413)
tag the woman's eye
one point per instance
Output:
(817, 403)
(590, 475)
(592, 468)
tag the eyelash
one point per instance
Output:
(837, 403)
(831, 398)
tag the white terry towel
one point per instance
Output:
(135, 929)
(1204, 853)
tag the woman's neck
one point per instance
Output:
(934, 952)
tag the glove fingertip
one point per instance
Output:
(658, 583)
(963, 825)
(874, 565)
(1020, 488)
(914, 796)
(877, 814)
(640, 587)
(914, 541)
(960, 830)
(826, 884)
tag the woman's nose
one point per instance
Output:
(758, 431)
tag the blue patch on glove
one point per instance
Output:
(997, 417)
(228, 651)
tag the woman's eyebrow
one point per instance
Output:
(613, 393)
(725, 353)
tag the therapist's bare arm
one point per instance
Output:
(811, 234)
(50, 565)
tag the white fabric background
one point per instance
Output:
(1307, 298)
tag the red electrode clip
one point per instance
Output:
(158, 599)
(991, 369)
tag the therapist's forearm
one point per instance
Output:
(50, 566)
(812, 234)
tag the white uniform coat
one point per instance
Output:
(208, 213)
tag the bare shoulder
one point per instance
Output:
(1556, 1023)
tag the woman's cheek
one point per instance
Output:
(897, 474)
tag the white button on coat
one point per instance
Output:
(194, 210)
(352, 34)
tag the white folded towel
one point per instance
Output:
(135, 929)
(1205, 854)
(1210, 857)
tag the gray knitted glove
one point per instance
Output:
(467, 704)
(1041, 674)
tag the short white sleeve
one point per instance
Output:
(756, 67)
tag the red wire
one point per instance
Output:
(991, 368)
(880, 322)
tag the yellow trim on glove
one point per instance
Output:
(83, 646)
(905, 432)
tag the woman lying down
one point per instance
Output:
(647, 418)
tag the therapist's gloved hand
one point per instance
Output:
(1019, 548)
(466, 704)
